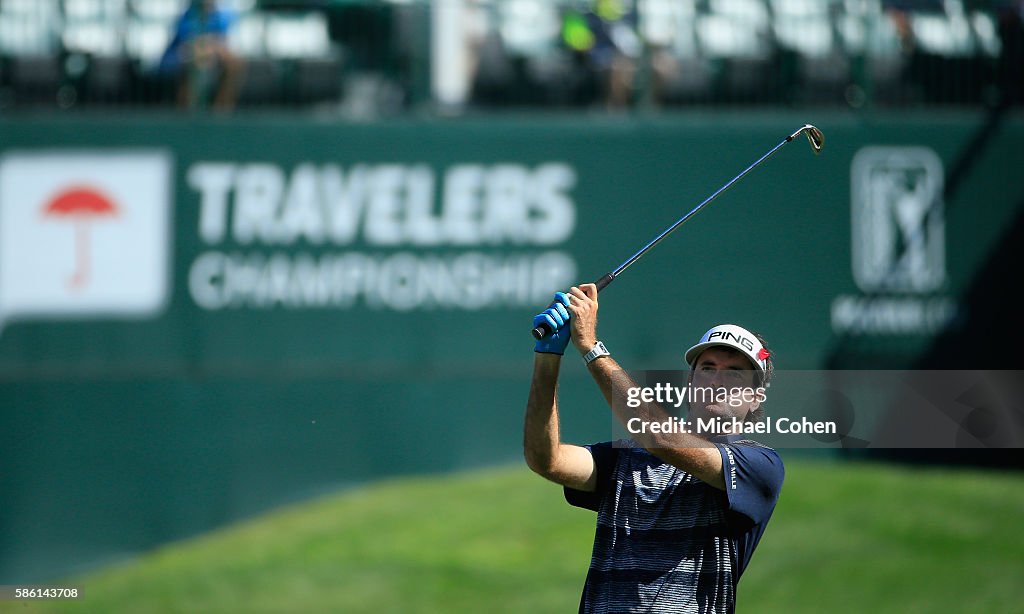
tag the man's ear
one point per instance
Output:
(753, 408)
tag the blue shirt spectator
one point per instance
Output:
(199, 46)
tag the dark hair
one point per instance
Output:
(769, 367)
(762, 380)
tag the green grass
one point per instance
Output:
(844, 538)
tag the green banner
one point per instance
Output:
(204, 318)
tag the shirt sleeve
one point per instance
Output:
(220, 23)
(183, 27)
(605, 455)
(753, 478)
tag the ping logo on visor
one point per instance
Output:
(736, 337)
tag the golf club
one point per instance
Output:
(817, 141)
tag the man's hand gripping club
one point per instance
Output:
(572, 315)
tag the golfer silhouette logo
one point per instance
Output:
(84, 234)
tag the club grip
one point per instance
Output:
(544, 330)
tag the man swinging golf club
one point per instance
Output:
(678, 514)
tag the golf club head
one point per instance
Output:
(814, 137)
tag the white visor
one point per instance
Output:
(736, 337)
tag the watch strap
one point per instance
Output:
(596, 352)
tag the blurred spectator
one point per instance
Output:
(914, 73)
(664, 69)
(904, 31)
(198, 56)
(605, 38)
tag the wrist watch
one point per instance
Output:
(596, 352)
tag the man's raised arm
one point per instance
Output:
(546, 455)
(688, 452)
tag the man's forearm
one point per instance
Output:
(684, 450)
(540, 433)
(614, 382)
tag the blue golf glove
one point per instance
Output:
(557, 317)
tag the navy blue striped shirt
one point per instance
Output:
(667, 542)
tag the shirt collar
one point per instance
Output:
(726, 438)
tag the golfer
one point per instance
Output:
(678, 514)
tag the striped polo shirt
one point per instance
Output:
(667, 542)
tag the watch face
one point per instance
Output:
(599, 350)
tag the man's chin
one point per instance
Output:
(721, 411)
(714, 410)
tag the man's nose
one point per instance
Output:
(714, 378)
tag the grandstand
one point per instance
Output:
(85, 53)
(375, 55)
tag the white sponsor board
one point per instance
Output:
(898, 245)
(899, 242)
(84, 234)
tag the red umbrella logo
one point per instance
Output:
(81, 205)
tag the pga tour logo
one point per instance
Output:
(898, 224)
(84, 234)
(898, 245)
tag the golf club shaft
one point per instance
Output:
(814, 137)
